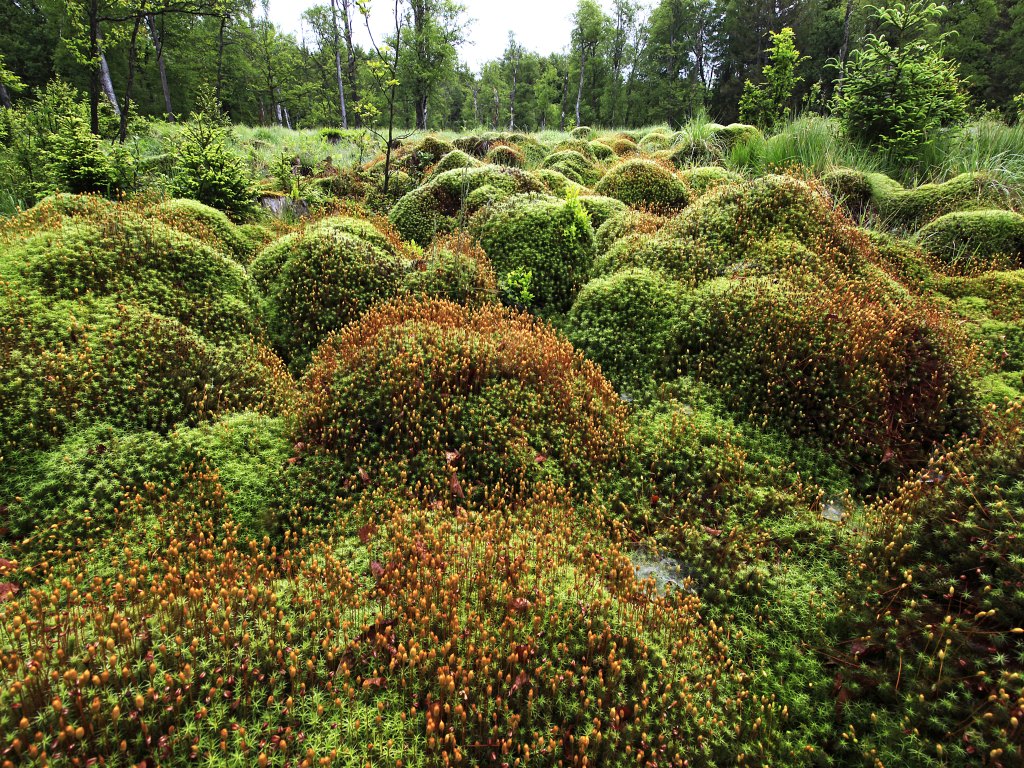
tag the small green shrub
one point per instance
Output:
(583, 133)
(208, 170)
(643, 183)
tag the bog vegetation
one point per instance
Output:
(696, 444)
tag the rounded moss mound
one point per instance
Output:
(67, 364)
(910, 209)
(483, 196)
(452, 161)
(89, 483)
(454, 269)
(575, 145)
(625, 223)
(503, 154)
(125, 257)
(582, 133)
(696, 149)
(956, 528)
(737, 133)
(557, 183)
(655, 142)
(679, 259)
(733, 219)
(601, 151)
(318, 281)
(643, 184)
(850, 189)
(879, 384)
(624, 147)
(626, 323)
(601, 208)
(551, 238)
(990, 239)
(573, 165)
(211, 226)
(703, 179)
(495, 379)
(435, 207)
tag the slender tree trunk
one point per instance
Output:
(565, 96)
(108, 84)
(220, 55)
(512, 98)
(391, 102)
(476, 103)
(579, 92)
(133, 48)
(844, 49)
(161, 64)
(421, 111)
(5, 97)
(94, 69)
(346, 20)
(495, 115)
(337, 63)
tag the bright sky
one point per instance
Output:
(540, 25)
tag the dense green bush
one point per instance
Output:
(897, 89)
(626, 323)
(551, 238)
(76, 161)
(989, 239)
(319, 280)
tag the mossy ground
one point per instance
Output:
(736, 481)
